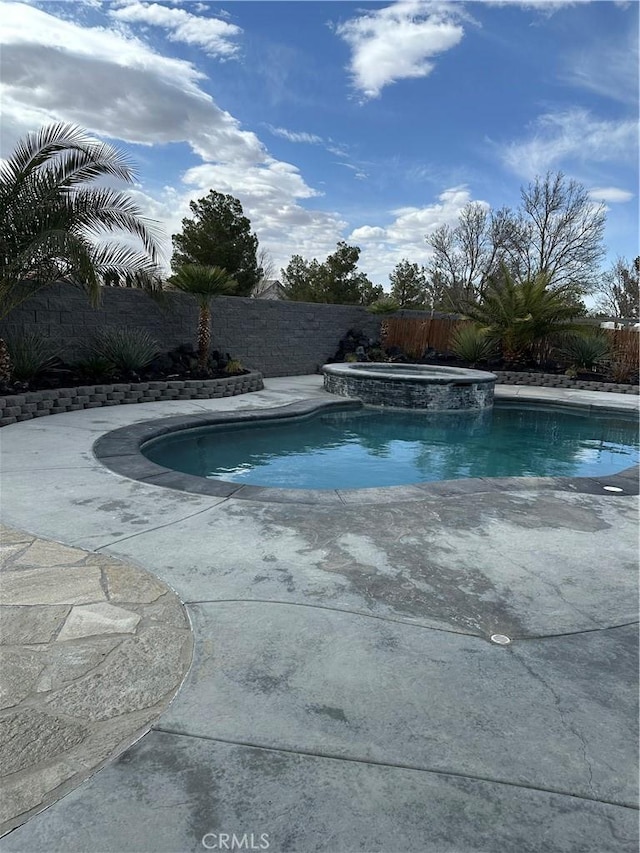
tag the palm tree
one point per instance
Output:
(53, 224)
(203, 283)
(519, 314)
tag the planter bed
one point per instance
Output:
(37, 404)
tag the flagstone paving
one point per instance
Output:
(91, 652)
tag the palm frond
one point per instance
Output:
(105, 210)
(53, 219)
(51, 255)
(518, 314)
(70, 142)
(203, 282)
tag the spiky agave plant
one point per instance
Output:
(471, 343)
(55, 226)
(587, 350)
(203, 283)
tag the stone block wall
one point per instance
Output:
(275, 337)
(555, 380)
(39, 404)
(404, 394)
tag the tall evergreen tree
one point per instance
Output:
(409, 285)
(335, 281)
(219, 234)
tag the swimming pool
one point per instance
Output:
(364, 448)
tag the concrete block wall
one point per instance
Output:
(275, 337)
(284, 338)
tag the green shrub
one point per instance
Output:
(94, 368)
(128, 350)
(520, 315)
(30, 354)
(384, 305)
(472, 343)
(233, 366)
(585, 351)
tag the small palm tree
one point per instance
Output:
(519, 314)
(53, 223)
(203, 283)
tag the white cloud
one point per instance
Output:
(367, 233)
(329, 144)
(610, 195)
(574, 135)
(214, 36)
(547, 7)
(607, 69)
(404, 237)
(358, 173)
(113, 84)
(399, 42)
(296, 136)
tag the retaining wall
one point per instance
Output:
(37, 404)
(555, 380)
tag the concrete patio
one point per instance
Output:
(344, 694)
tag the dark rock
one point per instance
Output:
(161, 364)
(395, 353)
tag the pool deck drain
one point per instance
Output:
(343, 695)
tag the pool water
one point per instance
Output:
(370, 447)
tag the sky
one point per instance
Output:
(373, 123)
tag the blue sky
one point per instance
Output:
(369, 122)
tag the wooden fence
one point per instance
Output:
(416, 334)
(625, 348)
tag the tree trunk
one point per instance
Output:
(204, 337)
(5, 362)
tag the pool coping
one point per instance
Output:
(120, 451)
(428, 374)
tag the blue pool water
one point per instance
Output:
(369, 447)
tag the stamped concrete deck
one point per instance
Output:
(344, 694)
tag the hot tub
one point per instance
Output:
(411, 386)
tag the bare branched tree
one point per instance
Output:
(268, 268)
(618, 293)
(556, 232)
(560, 233)
(465, 257)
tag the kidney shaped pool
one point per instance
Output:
(369, 447)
